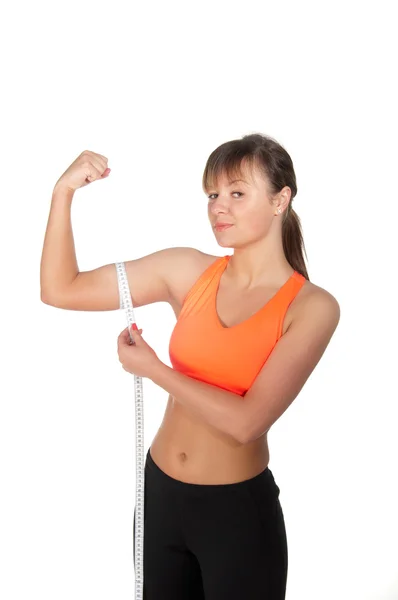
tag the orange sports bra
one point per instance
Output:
(229, 357)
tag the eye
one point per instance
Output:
(232, 193)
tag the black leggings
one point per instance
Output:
(213, 542)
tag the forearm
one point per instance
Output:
(58, 267)
(217, 407)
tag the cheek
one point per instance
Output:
(258, 222)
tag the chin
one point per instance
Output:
(224, 245)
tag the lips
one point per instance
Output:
(221, 228)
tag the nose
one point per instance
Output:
(218, 206)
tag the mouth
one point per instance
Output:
(222, 227)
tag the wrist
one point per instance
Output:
(158, 372)
(63, 191)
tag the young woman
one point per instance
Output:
(250, 329)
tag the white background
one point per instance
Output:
(156, 87)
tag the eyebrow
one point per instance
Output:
(229, 185)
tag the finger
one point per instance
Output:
(123, 340)
(122, 336)
(136, 333)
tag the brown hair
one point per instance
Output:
(275, 163)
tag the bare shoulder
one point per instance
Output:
(188, 266)
(313, 299)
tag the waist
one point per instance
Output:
(156, 474)
(189, 451)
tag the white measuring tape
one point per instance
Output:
(125, 303)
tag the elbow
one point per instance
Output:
(245, 436)
(250, 435)
(48, 298)
(52, 300)
(244, 431)
(44, 298)
(245, 439)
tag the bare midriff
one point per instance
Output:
(191, 451)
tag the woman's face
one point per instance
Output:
(245, 205)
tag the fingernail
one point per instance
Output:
(134, 326)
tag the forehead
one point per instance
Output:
(232, 181)
(244, 174)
